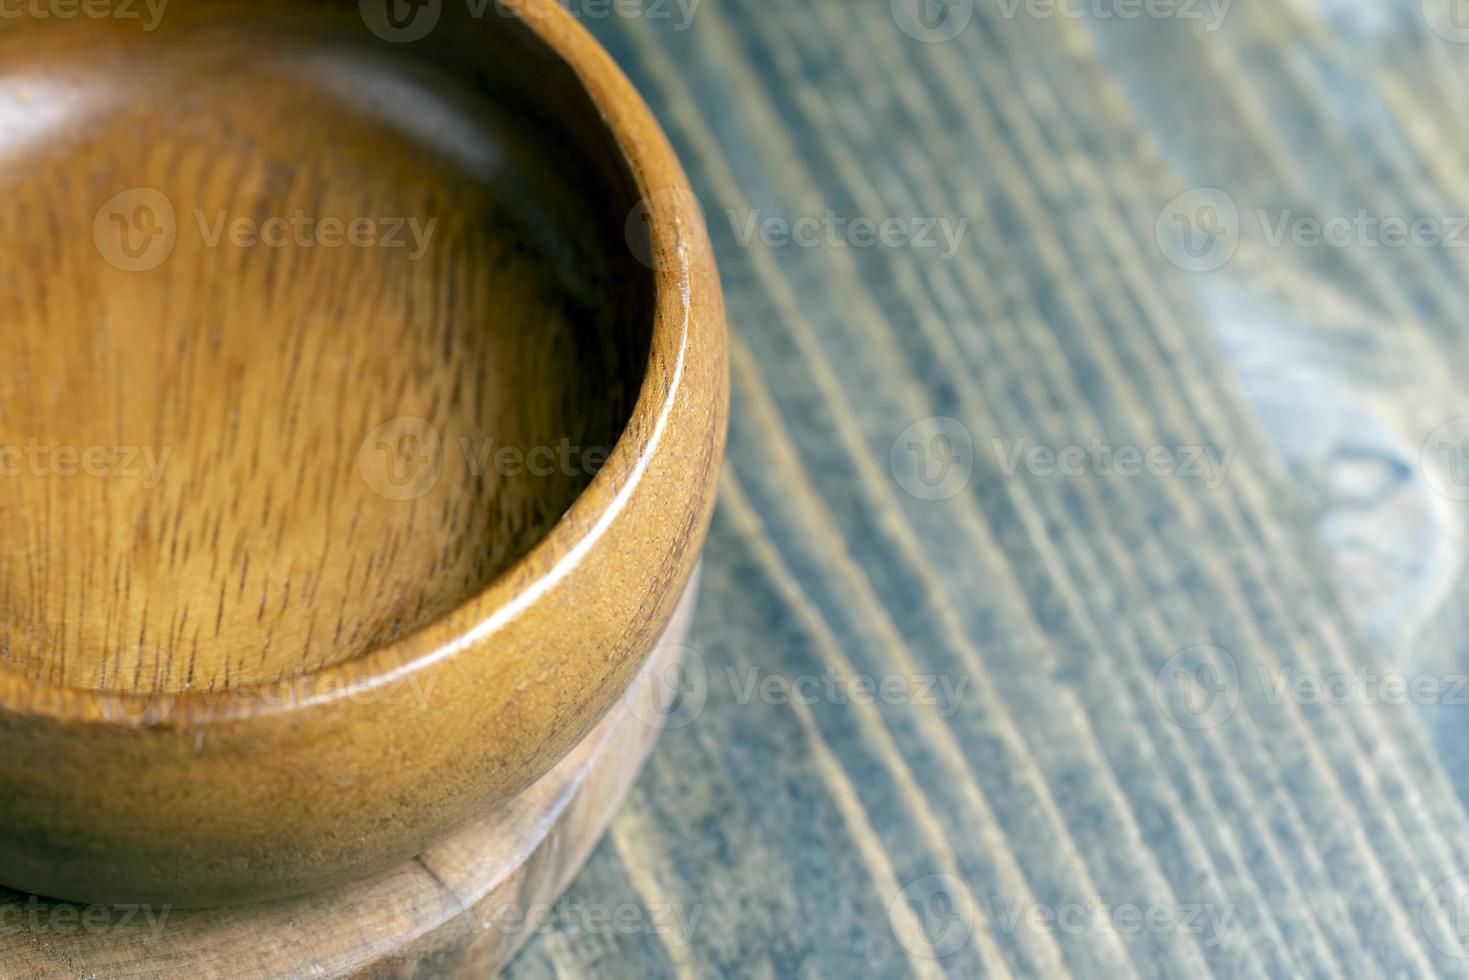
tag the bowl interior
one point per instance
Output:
(311, 333)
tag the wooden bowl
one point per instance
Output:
(309, 551)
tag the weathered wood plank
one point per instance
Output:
(1056, 606)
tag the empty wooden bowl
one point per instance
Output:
(365, 388)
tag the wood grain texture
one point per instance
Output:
(263, 389)
(1329, 837)
(463, 907)
(177, 728)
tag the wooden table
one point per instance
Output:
(1196, 464)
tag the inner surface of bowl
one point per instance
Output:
(310, 334)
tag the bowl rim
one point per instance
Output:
(676, 236)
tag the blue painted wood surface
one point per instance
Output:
(1130, 461)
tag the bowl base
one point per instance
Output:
(463, 908)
